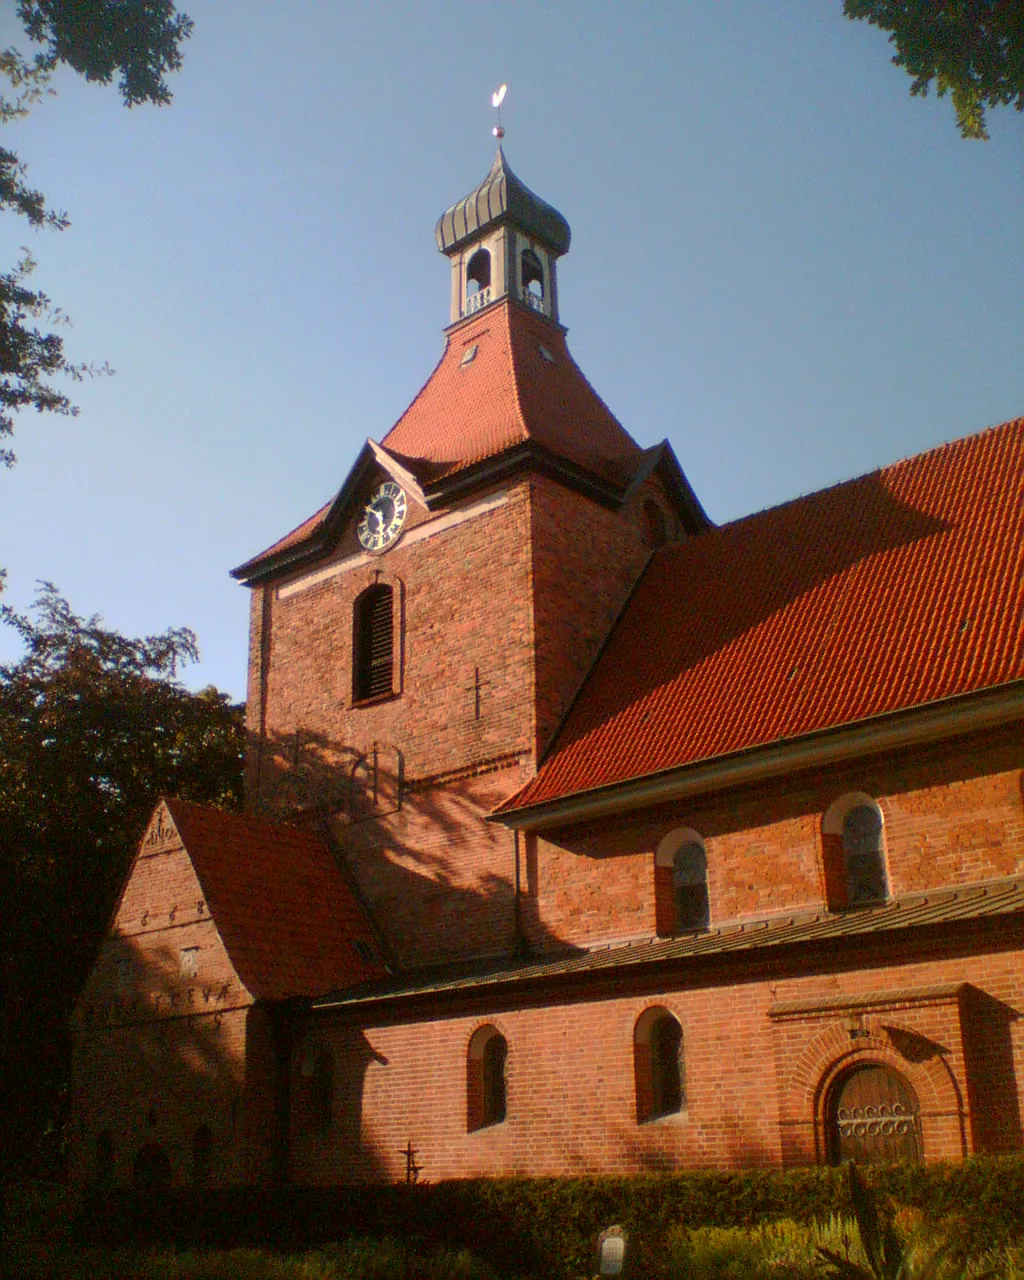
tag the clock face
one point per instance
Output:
(383, 517)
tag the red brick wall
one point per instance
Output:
(464, 595)
(500, 616)
(156, 1055)
(953, 815)
(585, 562)
(437, 877)
(753, 1081)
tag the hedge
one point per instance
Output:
(547, 1226)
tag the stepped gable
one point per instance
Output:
(891, 591)
(280, 904)
(510, 393)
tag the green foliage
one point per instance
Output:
(971, 49)
(357, 1259)
(549, 1226)
(94, 727)
(138, 40)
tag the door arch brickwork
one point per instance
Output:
(808, 1080)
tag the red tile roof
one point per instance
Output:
(298, 535)
(894, 590)
(508, 394)
(279, 901)
(883, 924)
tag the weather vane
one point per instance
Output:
(497, 98)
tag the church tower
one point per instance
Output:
(416, 641)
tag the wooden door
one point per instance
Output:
(873, 1117)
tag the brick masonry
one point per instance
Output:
(498, 618)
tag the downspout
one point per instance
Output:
(284, 1021)
(519, 944)
(264, 675)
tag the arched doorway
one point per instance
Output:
(873, 1116)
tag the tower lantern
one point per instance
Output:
(503, 242)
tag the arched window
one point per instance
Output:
(478, 280)
(373, 659)
(202, 1156)
(316, 1072)
(152, 1168)
(658, 1063)
(485, 1079)
(853, 843)
(531, 275)
(104, 1158)
(681, 883)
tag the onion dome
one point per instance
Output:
(502, 197)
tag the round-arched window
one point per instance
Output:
(862, 855)
(478, 273)
(486, 1084)
(854, 850)
(531, 275)
(152, 1168)
(681, 869)
(658, 1065)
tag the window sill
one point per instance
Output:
(358, 703)
(667, 1117)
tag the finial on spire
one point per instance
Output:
(497, 98)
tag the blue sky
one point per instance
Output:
(780, 261)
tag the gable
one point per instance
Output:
(162, 914)
(289, 921)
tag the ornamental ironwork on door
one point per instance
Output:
(873, 1116)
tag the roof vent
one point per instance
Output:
(546, 354)
(469, 355)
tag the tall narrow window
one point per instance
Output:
(658, 1063)
(202, 1155)
(104, 1157)
(485, 1079)
(853, 846)
(316, 1098)
(373, 643)
(532, 277)
(681, 883)
(478, 281)
(862, 855)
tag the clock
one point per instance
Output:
(383, 517)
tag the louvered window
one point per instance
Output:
(373, 665)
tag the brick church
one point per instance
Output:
(583, 835)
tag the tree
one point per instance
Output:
(94, 727)
(973, 49)
(139, 41)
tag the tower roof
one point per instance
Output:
(502, 197)
(505, 396)
(506, 378)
